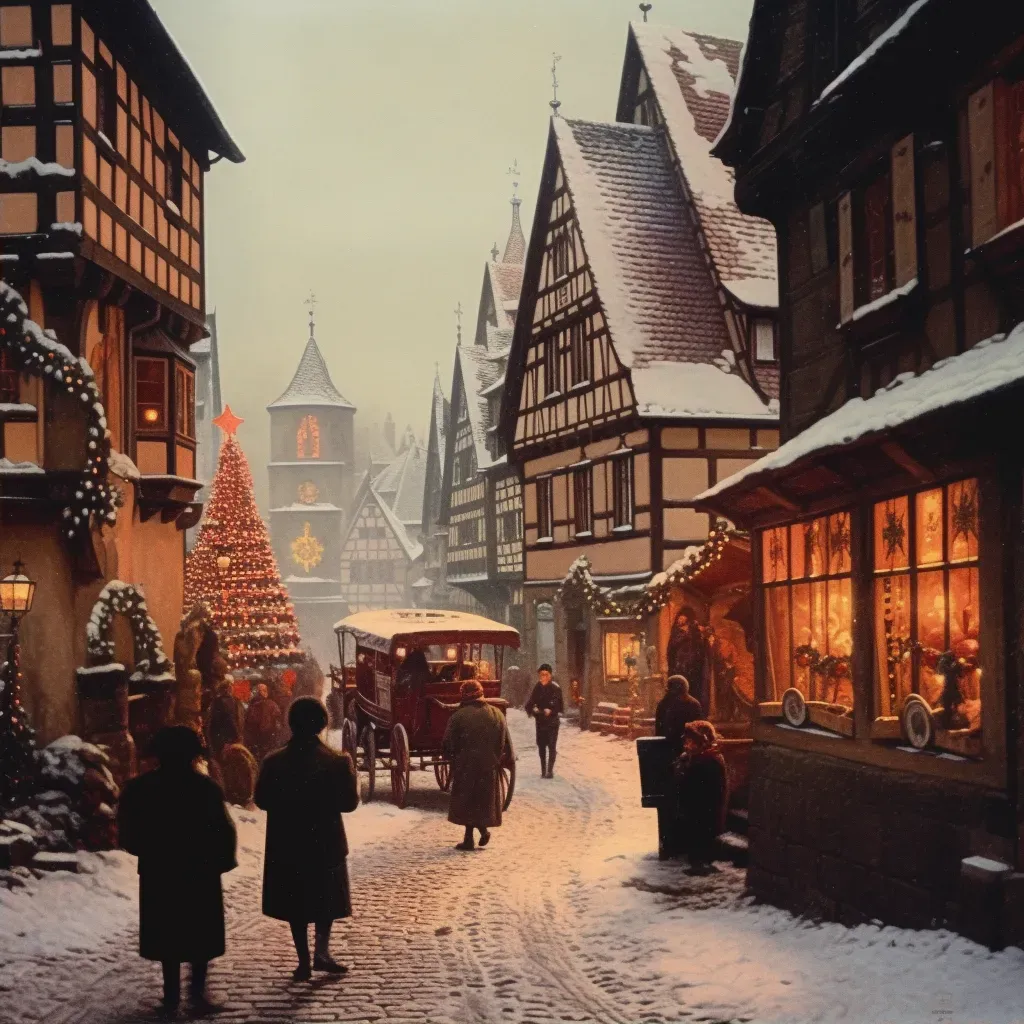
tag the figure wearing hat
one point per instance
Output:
(545, 705)
(475, 742)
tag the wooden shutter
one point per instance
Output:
(981, 130)
(904, 211)
(846, 301)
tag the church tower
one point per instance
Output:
(311, 467)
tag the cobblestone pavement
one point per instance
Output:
(439, 936)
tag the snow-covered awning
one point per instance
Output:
(832, 452)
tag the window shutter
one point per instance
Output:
(981, 130)
(846, 303)
(904, 211)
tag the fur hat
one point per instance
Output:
(471, 690)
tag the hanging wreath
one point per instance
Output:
(119, 598)
(38, 352)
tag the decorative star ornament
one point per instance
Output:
(228, 421)
(839, 541)
(894, 533)
(965, 515)
(307, 551)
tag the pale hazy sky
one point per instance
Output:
(378, 136)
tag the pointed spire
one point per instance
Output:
(311, 306)
(555, 103)
(458, 322)
(515, 247)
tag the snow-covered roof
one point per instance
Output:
(402, 483)
(990, 366)
(481, 368)
(693, 77)
(386, 624)
(413, 549)
(648, 269)
(312, 384)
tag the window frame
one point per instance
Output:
(622, 652)
(10, 380)
(174, 177)
(142, 427)
(307, 432)
(106, 101)
(758, 358)
(623, 487)
(545, 508)
(552, 366)
(184, 402)
(879, 179)
(580, 355)
(583, 500)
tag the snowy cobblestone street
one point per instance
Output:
(564, 917)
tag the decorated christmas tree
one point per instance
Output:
(17, 737)
(232, 570)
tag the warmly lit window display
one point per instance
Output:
(621, 654)
(927, 608)
(808, 602)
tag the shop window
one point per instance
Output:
(544, 509)
(808, 603)
(877, 232)
(623, 497)
(9, 391)
(583, 500)
(150, 394)
(307, 438)
(927, 606)
(185, 402)
(621, 655)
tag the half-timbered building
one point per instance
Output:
(381, 555)
(884, 142)
(106, 136)
(635, 376)
(481, 494)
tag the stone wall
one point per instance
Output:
(849, 842)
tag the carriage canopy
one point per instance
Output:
(385, 630)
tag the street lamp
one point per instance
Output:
(17, 739)
(17, 592)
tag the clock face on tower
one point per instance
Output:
(307, 551)
(308, 493)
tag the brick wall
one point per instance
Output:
(848, 842)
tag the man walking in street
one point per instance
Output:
(262, 723)
(545, 705)
(475, 743)
(305, 788)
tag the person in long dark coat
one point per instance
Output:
(305, 788)
(175, 821)
(475, 742)
(262, 723)
(675, 711)
(545, 704)
(703, 794)
(688, 652)
(226, 719)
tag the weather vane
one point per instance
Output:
(458, 321)
(310, 304)
(555, 102)
(645, 8)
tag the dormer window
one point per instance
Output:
(764, 341)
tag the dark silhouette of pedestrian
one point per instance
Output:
(545, 705)
(226, 719)
(175, 821)
(262, 723)
(675, 711)
(703, 794)
(475, 743)
(305, 788)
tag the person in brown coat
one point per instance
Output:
(305, 788)
(703, 793)
(475, 742)
(675, 711)
(262, 723)
(174, 820)
(225, 719)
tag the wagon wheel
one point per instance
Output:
(443, 774)
(400, 764)
(369, 764)
(349, 740)
(507, 775)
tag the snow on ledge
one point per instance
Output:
(992, 364)
(121, 465)
(28, 54)
(887, 37)
(672, 389)
(34, 164)
(754, 291)
(884, 300)
(6, 466)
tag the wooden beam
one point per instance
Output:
(779, 499)
(907, 462)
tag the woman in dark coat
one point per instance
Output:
(675, 711)
(703, 793)
(688, 653)
(474, 743)
(305, 788)
(175, 821)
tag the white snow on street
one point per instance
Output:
(645, 937)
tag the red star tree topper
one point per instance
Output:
(233, 571)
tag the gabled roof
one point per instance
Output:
(692, 76)
(312, 384)
(650, 274)
(402, 483)
(134, 28)
(440, 410)
(480, 368)
(367, 492)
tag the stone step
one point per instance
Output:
(738, 821)
(733, 847)
(47, 861)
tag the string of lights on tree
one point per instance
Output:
(232, 570)
(580, 584)
(17, 737)
(37, 352)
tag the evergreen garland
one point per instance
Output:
(17, 737)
